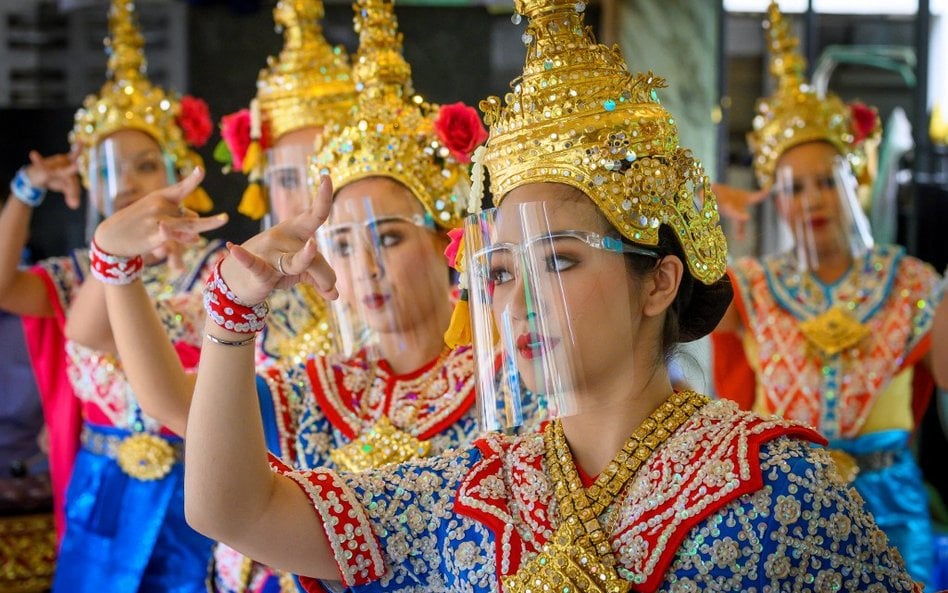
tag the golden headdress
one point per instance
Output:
(795, 113)
(128, 100)
(578, 116)
(310, 83)
(394, 134)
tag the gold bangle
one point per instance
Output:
(223, 342)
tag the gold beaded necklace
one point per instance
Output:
(578, 558)
(384, 443)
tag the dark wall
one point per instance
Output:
(55, 229)
(457, 54)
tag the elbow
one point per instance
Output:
(7, 282)
(941, 376)
(204, 512)
(167, 417)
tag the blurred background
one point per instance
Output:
(893, 55)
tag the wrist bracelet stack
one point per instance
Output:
(25, 191)
(229, 312)
(114, 269)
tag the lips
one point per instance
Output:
(819, 222)
(375, 301)
(532, 345)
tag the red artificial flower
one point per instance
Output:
(865, 119)
(195, 121)
(460, 130)
(235, 130)
(451, 251)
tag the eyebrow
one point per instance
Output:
(148, 151)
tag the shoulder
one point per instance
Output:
(799, 527)
(746, 269)
(914, 272)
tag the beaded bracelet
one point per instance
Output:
(227, 311)
(114, 269)
(25, 191)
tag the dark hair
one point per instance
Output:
(697, 308)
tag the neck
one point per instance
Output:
(596, 434)
(411, 348)
(832, 265)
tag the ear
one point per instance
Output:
(440, 240)
(662, 288)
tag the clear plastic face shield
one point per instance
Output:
(122, 169)
(549, 295)
(820, 210)
(391, 276)
(287, 179)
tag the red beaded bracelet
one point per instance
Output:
(114, 269)
(227, 311)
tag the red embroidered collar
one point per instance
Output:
(355, 393)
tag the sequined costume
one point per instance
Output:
(730, 502)
(124, 533)
(861, 399)
(312, 409)
(841, 357)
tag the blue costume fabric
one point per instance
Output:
(730, 502)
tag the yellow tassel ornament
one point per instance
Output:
(198, 201)
(253, 204)
(459, 331)
(253, 158)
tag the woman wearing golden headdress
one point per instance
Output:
(837, 330)
(394, 391)
(124, 516)
(300, 93)
(604, 252)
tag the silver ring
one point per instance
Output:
(280, 264)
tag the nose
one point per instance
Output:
(368, 260)
(126, 187)
(513, 299)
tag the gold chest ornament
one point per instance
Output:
(834, 331)
(382, 444)
(578, 558)
(145, 456)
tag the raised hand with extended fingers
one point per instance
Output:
(58, 173)
(283, 255)
(155, 221)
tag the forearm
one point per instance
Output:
(87, 321)
(149, 359)
(20, 293)
(230, 493)
(14, 231)
(227, 474)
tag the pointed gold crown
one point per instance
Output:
(795, 113)
(128, 100)
(392, 133)
(310, 83)
(577, 116)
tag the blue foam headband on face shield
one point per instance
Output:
(169, 168)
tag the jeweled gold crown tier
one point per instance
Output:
(577, 116)
(391, 133)
(310, 82)
(128, 100)
(795, 113)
